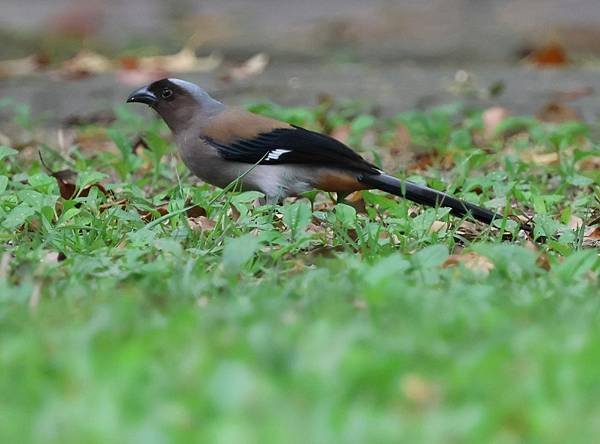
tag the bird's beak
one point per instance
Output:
(142, 95)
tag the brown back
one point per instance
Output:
(235, 124)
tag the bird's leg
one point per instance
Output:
(341, 196)
(271, 200)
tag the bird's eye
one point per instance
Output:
(166, 93)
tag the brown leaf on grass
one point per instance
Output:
(19, 67)
(54, 256)
(470, 260)
(590, 163)
(352, 234)
(139, 144)
(94, 140)
(438, 226)
(557, 112)
(195, 211)
(468, 230)
(540, 158)
(163, 209)
(591, 237)
(316, 226)
(542, 259)
(159, 211)
(138, 70)
(185, 60)
(356, 201)
(136, 77)
(419, 390)
(254, 66)
(67, 179)
(492, 118)
(575, 222)
(543, 262)
(234, 213)
(423, 161)
(201, 223)
(67, 182)
(593, 232)
(84, 64)
(129, 62)
(550, 55)
(326, 251)
(100, 118)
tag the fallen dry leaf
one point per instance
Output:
(590, 163)
(470, 260)
(94, 141)
(418, 390)
(551, 55)
(183, 61)
(101, 118)
(438, 226)
(195, 211)
(422, 161)
(201, 223)
(255, 65)
(136, 77)
(356, 201)
(557, 112)
(492, 118)
(138, 70)
(19, 67)
(67, 179)
(575, 222)
(540, 158)
(163, 209)
(148, 216)
(591, 237)
(85, 63)
(593, 232)
(543, 261)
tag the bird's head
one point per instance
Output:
(178, 102)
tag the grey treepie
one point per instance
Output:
(220, 144)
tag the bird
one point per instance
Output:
(222, 144)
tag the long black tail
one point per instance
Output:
(428, 196)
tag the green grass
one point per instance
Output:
(309, 322)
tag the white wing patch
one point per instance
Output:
(275, 154)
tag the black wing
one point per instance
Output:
(293, 146)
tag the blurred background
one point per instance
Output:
(66, 58)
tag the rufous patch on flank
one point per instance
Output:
(339, 181)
